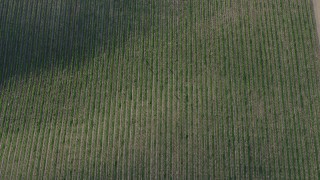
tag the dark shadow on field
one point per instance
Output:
(46, 34)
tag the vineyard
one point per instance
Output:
(166, 89)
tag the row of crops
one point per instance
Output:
(159, 89)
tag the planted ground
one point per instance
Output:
(147, 89)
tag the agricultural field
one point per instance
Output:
(166, 89)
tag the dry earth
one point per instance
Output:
(316, 5)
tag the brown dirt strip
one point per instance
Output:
(316, 6)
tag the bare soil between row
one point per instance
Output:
(316, 6)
